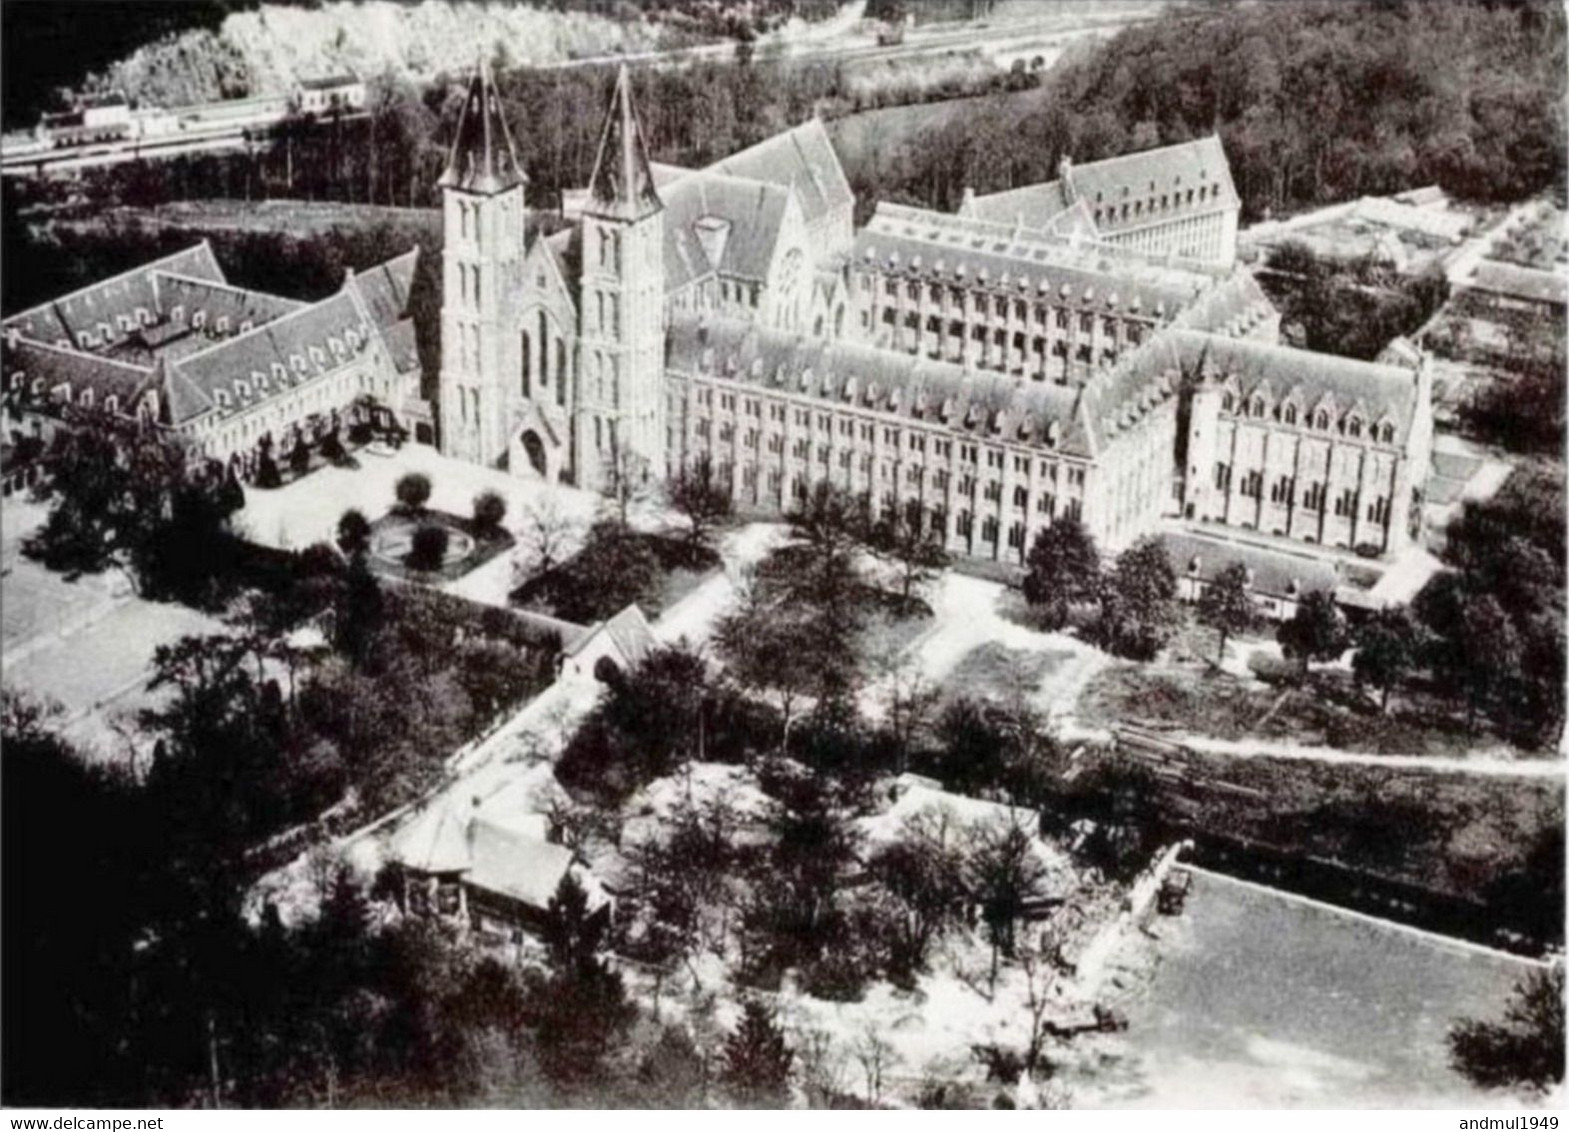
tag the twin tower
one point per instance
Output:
(552, 346)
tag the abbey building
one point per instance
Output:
(1087, 347)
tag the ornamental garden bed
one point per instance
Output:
(394, 551)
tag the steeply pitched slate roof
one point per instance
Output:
(104, 376)
(755, 212)
(402, 345)
(622, 185)
(1382, 390)
(482, 159)
(219, 300)
(1232, 307)
(104, 301)
(936, 245)
(282, 341)
(1169, 170)
(629, 632)
(802, 158)
(384, 289)
(1272, 571)
(1034, 206)
(939, 394)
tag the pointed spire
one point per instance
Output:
(622, 187)
(483, 159)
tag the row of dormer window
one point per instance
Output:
(1320, 419)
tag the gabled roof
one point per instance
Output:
(622, 186)
(524, 868)
(919, 389)
(1034, 206)
(218, 299)
(282, 341)
(802, 158)
(1168, 171)
(971, 252)
(1514, 281)
(54, 366)
(384, 289)
(1382, 389)
(1232, 307)
(102, 302)
(627, 630)
(482, 159)
(754, 210)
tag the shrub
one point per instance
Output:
(267, 474)
(429, 549)
(353, 533)
(489, 510)
(332, 448)
(413, 491)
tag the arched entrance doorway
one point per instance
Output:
(535, 449)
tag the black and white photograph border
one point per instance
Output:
(785, 554)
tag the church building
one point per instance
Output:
(980, 374)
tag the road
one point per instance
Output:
(837, 41)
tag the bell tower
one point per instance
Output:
(482, 224)
(619, 416)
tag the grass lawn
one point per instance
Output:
(1253, 998)
(993, 671)
(467, 547)
(1324, 711)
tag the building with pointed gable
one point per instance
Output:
(981, 374)
(173, 346)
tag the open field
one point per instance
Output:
(1259, 998)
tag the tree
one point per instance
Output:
(582, 1007)
(428, 548)
(917, 556)
(695, 491)
(1526, 1047)
(489, 509)
(413, 491)
(1316, 631)
(756, 1058)
(358, 613)
(353, 533)
(267, 473)
(1005, 874)
(544, 534)
(1387, 647)
(141, 503)
(1063, 568)
(924, 869)
(1139, 610)
(1226, 605)
(615, 568)
(625, 477)
(772, 647)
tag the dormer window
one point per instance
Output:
(17, 380)
(1258, 406)
(297, 362)
(1354, 426)
(223, 398)
(1228, 403)
(223, 324)
(1290, 414)
(279, 373)
(199, 319)
(106, 331)
(1321, 420)
(317, 356)
(144, 316)
(247, 326)
(244, 388)
(86, 399)
(1386, 433)
(353, 337)
(111, 404)
(85, 340)
(178, 313)
(124, 322)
